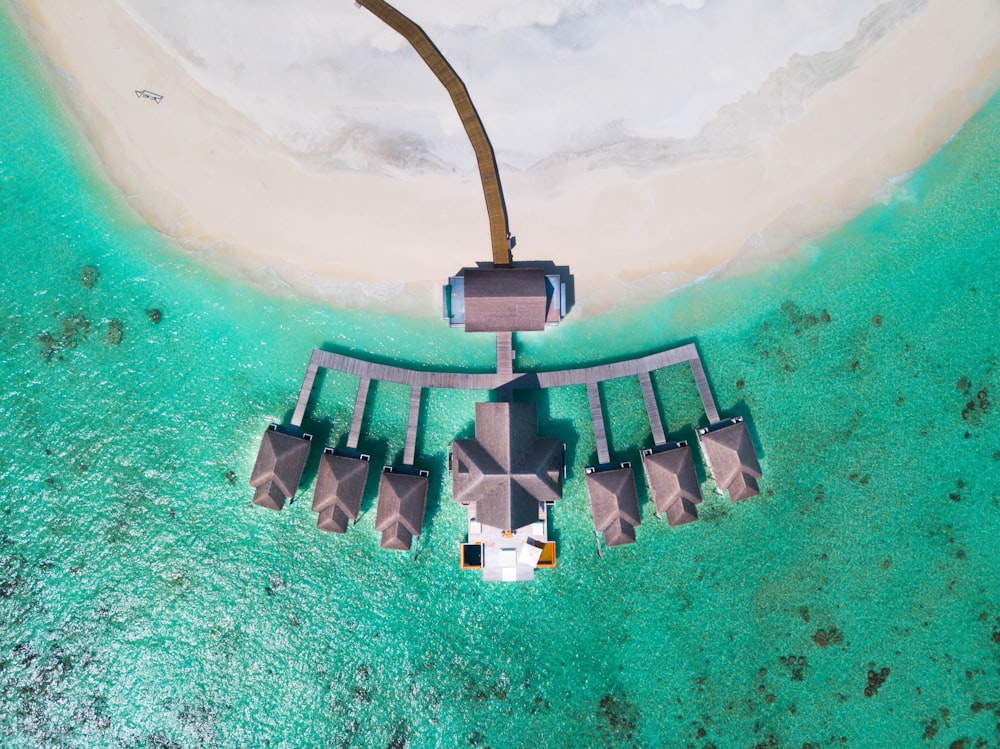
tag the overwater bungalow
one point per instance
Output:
(278, 468)
(402, 500)
(731, 457)
(504, 300)
(614, 504)
(340, 487)
(506, 477)
(673, 481)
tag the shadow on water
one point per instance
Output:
(395, 360)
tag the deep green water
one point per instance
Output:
(145, 603)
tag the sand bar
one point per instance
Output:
(200, 171)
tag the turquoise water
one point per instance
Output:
(145, 603)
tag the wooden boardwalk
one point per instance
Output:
(589, 376)
(597, 418)
(652, 411)
(701, 382)
(505, 354)
(359, 412)
(410, 449)
(491, 381)
(305, 391)
(489, 174)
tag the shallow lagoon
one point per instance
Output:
(145, 603)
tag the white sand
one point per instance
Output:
(200, 171)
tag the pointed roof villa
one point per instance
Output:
(340, 487)
(506, 470)
(402, 500)
(505, 299)
(731, 456)
(673, 480)
(278, 468)
(614, 504)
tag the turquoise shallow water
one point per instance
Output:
(145, 603)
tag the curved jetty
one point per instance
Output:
(507, 477)
(489, 174)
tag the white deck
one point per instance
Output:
(510, 558)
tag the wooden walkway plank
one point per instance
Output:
(505, 354)
(589, 376)
(410, 449)
(597, 417)
(488, 381)
(701, 381)
(652, 410)
(305, 391)
(359, 413)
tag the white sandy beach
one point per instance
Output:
(625, 219)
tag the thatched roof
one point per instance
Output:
(674, 483)
(278, 468)
(506, 470)
(732, 458)
(340, 483)
(504, 299)
(613, 501)
(402, 500)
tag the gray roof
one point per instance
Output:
(680, 512)
(743, 487)
(269, 495)
(732, 458)
(278, 469)
(402, 500)
(613, 499)
(506, 470)
(333, 519)
(674, 483)
(340, 482)
(504, 299)
(397, 537)
(619, 533)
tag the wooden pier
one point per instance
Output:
(305, 391)
(409, 451)
(652, 411)
(701, 382)
(505, 354)
(417, 380)
(597, 418)
(359, 412)
(489, 174)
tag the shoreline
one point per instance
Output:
(239, 201)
